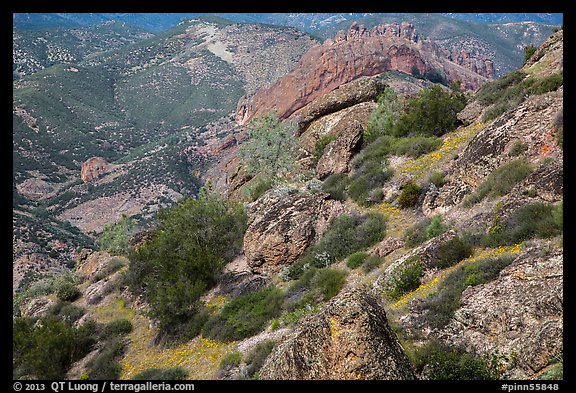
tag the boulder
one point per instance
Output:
(363, 89)
(281, 225)
(348, 339)
(519, 314)
(37, 307)
(93, 168)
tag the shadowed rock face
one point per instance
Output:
(348, 339)
(359, 52)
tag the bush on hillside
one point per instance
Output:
(432, 112)
(186, 251)
(245, 316)
(500, 181)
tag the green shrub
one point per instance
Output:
(369, 177)
(383, 119)
(186, 251)
(371, 263)
(437, 178)
(409, 195)
(500, 181)
(405, 278)
(547, 84)
(257, 356)
(518, 148)
(529, 51)
(446, 300)
(105, 365)
(452, 252)
(67, 291)
(115, 237)
(258, 187)
(492, 91)
(159, 374)
(271, 149)
(231, 359)
(436, 227)
(47, 349)
(318, 285)
(432, 112)
(245, 316)
(415, 146)
(451, 363)
(512, 89)
(118, 327)
(329, 282)
(68, 312)
(417, 233)
(529, 221)
(345, 235)
(356, 259)
(335, 185)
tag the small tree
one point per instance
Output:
(383, 120)
(272, 147)
(115, 237)
(529, 51)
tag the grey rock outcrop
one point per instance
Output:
(281, 225)
(520, 314)
(348, 339)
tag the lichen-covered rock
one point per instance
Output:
(520, 314)
(363, 89)
(337, 154)
(281, 225)
(530, 123)
(37, 307)
(387, 246)
(348, 339)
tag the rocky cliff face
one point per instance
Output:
(348, 339)
(355, 53)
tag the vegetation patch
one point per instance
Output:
(346, 234)
(245, 316)
(46, 350)
(446, 300)
(442, 362)
(536, 220)
(159, 374)
(424, 230)
(405, 278)
(356, 259)
(500, 181)
(512, 89)
(189, 247)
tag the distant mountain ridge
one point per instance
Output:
(306, 21)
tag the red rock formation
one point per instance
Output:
(358, 52)
(93, 168)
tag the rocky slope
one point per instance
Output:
(508, 305)
(348, 339)
(362, 52)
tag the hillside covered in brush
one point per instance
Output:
(396, 216)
